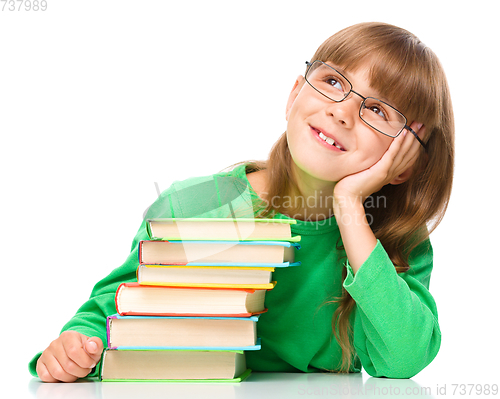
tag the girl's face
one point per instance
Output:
(313, 118)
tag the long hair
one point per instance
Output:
(405, 71)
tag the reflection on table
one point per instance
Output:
(257, 386)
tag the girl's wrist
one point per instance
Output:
(348, 204)
(350, 213)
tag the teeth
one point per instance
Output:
(330, 141)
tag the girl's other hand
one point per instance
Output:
(69, 357)
(395, 167)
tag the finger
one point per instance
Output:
(93, 346)
(392, 153)
(417, 128)
(408, 142)
(409, 150)
(413, 146)
(56, 370)
(65, 358)
(74, 359)
(43, 373)
(415, 133)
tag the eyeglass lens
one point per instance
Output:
(376, 113)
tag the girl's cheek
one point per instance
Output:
(379, 147)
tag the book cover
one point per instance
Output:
(218, 253)
(206, 276)
(235, 380)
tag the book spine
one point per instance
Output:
(251, 318)
(108, 329)
(117, 298)
(137, 285)
(255, 347)
(268, 286)
(251, 220)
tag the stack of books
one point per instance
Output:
(200, 289)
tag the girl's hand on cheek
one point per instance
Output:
(401, 155)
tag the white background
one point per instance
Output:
(101, 99)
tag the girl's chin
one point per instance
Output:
(311, 173)
(315, 169)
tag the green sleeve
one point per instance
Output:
(396, 330)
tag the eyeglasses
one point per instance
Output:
(376, 113)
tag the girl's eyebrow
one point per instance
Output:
(338, 68)
(345, 73)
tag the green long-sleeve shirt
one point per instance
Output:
(396, 331)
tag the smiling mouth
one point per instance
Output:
(329, 140)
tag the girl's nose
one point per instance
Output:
(344, 112)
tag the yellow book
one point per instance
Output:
(206, 276)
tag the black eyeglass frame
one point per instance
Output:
(310, 64)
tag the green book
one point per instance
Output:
(174, 365)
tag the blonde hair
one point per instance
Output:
(405, 71)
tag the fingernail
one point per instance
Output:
(92, 366)
(419, 125)
(92, 346)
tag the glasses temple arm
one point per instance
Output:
(416, 136)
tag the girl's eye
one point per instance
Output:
(377, 110)
(335, 83)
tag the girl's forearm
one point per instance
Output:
(357, 235)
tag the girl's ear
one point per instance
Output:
(293, 94)
(420, 130)
(402, 177)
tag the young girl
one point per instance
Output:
(365, 167)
